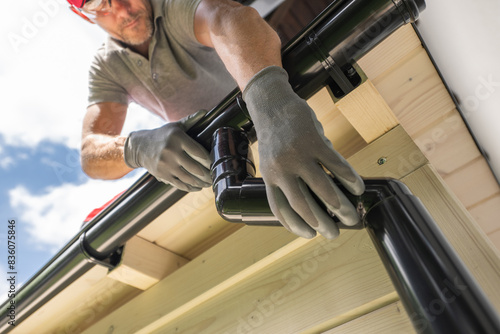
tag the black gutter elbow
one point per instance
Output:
(239, 196)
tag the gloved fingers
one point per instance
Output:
(286, 215)
(322, 185)
(311, 212)
(194, 168)
(343, 171)
(310, 215)
(190, 179)
(187, 122)
(196, 151)
(179, 184)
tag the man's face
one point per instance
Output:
(131, 21)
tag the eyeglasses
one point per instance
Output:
(91, 9)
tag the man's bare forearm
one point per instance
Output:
(102, 157)
(243, 40)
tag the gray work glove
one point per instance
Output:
(292, 151)
(170, 155)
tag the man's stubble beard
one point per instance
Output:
(134, 39)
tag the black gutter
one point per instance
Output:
(437, 290)
(343, 33)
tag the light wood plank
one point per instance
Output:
(414, 91)
(190, 227)
(495, 238)
(353, 314)
(401, 156)
(82, 303)
(212, 239)
(367, 112)
(224, 265)
(191, 204)
(319, 281)
(144, 264)
(448, 145)
(460, 229)
(391, 319)
(473, 183)
(344, 137)
(197, 229)
(487, 214)
(390, 51)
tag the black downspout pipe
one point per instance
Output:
(317, 51)
(437, 290)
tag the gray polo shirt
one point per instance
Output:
(180, 77)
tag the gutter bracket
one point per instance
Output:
(110, 262)
(345, 77)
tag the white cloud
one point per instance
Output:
(140, 118)
(46, 77)
(54, 217)
(47, 73)
(6, 162)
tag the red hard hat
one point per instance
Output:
(77, 3)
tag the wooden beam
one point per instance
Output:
(415, 92)
(392, 155)
(190, 227)
(79, 305)
(144, 264)
(344, 137)
(315, 283)
(367, 112)
(391, 319)
(191, 204)
(390, 51)
(448, 145)
(473, 184)
(495, 238)
(486, 213)
(229, 262)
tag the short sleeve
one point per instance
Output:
(103, 87)
(179, 19)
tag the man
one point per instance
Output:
(177, 56)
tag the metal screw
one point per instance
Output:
(382, 161)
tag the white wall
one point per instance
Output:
(463, 37)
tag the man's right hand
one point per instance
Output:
(170, 155)
(294, 154)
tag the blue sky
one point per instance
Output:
(45, 52)
(44, 59)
